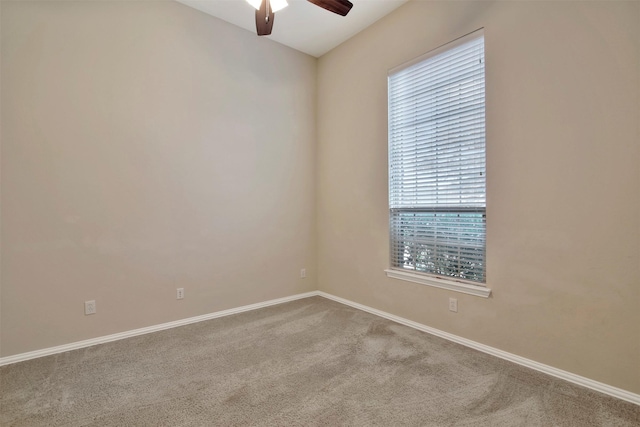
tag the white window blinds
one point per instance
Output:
(437, 162)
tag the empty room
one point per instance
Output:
(323, 213)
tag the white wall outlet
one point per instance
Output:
(180, 293)
(303, 273)
(453, 305)
(90, 307)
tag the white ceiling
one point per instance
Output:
(302, 25)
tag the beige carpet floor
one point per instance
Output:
(311, 362)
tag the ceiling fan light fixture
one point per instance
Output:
(276, 5)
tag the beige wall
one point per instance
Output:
(147, 146)
(563, 249)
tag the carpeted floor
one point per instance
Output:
(311, 362)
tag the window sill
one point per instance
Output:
(451, 285)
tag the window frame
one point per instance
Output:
(423, 277)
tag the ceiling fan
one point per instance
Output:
(265, 10)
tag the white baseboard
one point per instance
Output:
(550, 370)
(155, 328)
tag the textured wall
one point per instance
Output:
(563, 227)
(147, 146)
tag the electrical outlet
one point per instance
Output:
(303, 273)
(180, 293)
(453, 305)
(90, 307)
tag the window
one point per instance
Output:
(437, 203)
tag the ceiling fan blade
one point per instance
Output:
(341, 7)
(264, 19)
